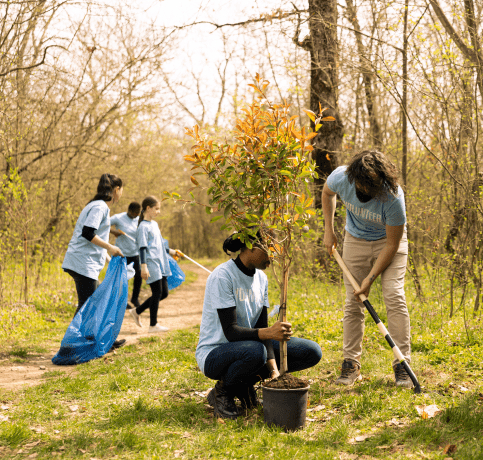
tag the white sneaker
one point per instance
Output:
(135, 317)
(158, 328)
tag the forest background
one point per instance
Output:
(92, 87)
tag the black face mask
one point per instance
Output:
(362, 197)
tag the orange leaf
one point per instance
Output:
(328, 119)
(311, 136)
(194, 180)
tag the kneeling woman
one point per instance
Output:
(236, 346)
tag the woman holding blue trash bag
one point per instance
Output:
(154, 263)
(86, 252)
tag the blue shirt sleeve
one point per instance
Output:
(94, 217)
(222, 293)
(142, 236)
(335, 179)
(395, 211)
(115, 220)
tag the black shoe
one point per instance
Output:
(402, 377)
(117, 344)
(222, 401)
(247, 396)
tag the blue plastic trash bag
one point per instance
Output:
(177, 276)
(96, 325)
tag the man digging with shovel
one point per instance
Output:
(375, 244)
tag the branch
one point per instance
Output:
(468, 53)
(33, 65)
(264, 18)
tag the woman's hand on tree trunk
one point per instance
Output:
(279, 331)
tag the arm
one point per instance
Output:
(394, 235)
(89, 234)
(116, 232)
(144, 265)
(328, 205)
(234, 333)
(271, 363)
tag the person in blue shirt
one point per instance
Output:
(86, 252)
(375, 244)
(124, 227)
(236, 345)
(154, 263)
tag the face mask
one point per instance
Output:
(362, 197)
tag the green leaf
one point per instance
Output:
(214, 219)
(227, 210)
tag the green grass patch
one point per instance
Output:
(146, 400)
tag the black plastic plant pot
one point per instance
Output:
(286, 408)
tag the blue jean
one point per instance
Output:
(244, 362)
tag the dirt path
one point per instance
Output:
(180, 310)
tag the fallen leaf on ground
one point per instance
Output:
(3, 418)
(345, 456)
(35, 455)
(42, 368)
(4, 407)
(220, 420)
(449, 449)
(462, 388)
(316, 408)
(360, 438)
(186, 435)
(177, 453)
(32, 444)
(74, 408)
(428, 411)
(383, 447)
(83, 451)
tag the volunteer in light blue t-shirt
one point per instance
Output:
(124, 227)
(154, 263)
(375, 244)
(86, 253)
(236, 346)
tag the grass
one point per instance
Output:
(147, 400)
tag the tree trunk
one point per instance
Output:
(283, 317)
(323, 47)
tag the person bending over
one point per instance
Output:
(375, 244)
(86, 253)
(236, 347)
(124, 227)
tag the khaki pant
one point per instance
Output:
(359, 256)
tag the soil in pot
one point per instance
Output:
(286, 381)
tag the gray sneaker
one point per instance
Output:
(351, 372)
(402, 377)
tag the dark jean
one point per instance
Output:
(159, 291)
(84, 286)
(136, 289)
(244, 362)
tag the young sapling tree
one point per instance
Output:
(261, 181)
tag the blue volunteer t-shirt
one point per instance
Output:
(228, 287)
(82, 256)
(129, 226)
(367, 220)
(148, 235)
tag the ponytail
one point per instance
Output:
(106, 186)
(148, 202)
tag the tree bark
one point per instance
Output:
(323, 47)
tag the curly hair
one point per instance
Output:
(374, 173)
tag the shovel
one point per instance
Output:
(379, 324)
